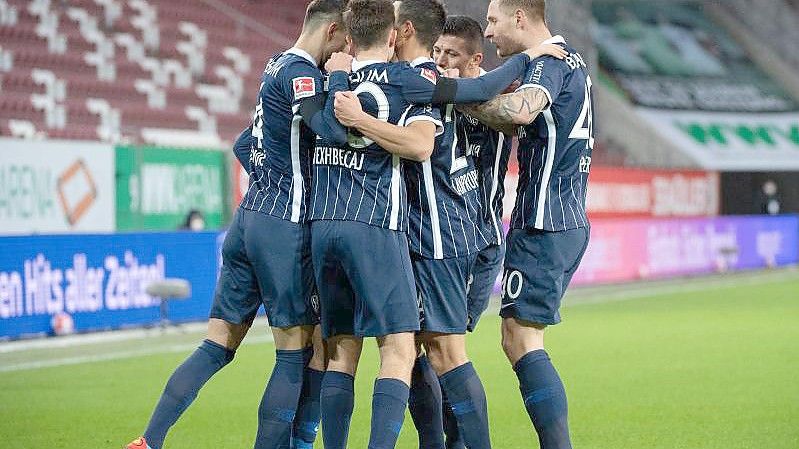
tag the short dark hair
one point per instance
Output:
(535, 8)
(467, 29)
(318, 10)
(427, 17)
(369, 21)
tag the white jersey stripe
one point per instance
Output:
(544, 193)
(421, 215)
(396, 183)
(296, 171)
(452, 234)
(316, 192)
(274, 203)
(571, 180)
(435, 225)
(495, 186)
(560, 198)
(265, 193)
(338, 186)
(349, 197)
(374, 205)
(363, 193)
(327, 192)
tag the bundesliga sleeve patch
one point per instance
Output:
(304, 87)
(430, 75)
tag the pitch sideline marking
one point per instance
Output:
(600, 296)
(120, 355)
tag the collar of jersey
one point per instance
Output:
(358, 65)
(421, 60)
(555, 40)
(302, 54)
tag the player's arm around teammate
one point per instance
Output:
(246, 280)
(552, 113)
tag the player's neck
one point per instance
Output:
(372, 54)
(536, 35)
(310, 44)
(471, 73)
(411, 51)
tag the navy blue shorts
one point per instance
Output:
(485, 271)
(442, 285)
(538, 268)
(266, 260)
(365, 279)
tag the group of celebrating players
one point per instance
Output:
(375, 210)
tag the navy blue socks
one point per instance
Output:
(279, 403)
(309, 411)
(453, 436)
(338, 398)
(182, 388)
(545, 399)
(467, 397)
(389, 400)
(425, 405)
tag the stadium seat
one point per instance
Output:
(131, 65)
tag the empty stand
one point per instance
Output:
(134, 70)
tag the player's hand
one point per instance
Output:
(339, 61)
(451, 73)
(348, 108)
(547, 49)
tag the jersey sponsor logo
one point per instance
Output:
(430, 75)
(350, 159)
(538, 72)
(304, 87)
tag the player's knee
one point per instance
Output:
(398, 349)
(519, 338)
(446, 352)
(292, 338)
(228, 335)
(343, 354)
(319, 360)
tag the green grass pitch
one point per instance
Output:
(688, 364)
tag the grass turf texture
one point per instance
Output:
(710, 367)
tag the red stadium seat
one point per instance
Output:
(223, 29)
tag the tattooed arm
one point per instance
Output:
(505, 112)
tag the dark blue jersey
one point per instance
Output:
(360, 181)
(444, 194)
(281, 146)
(555, 150)
(491, 150)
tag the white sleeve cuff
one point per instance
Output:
(425, 118)
(539, 87)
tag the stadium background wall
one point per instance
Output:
(100, 279)
(741, 191)
(157, 187)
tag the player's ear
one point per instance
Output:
(331, 31)
(520, 18)
(477, 59)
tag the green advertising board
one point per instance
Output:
(157, 187)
